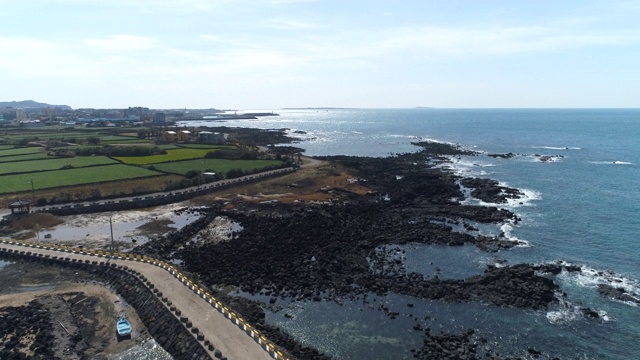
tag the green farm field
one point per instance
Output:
(221, 166)
(44, 135)
(207, 146)
(118, 138)
(172, 155)
(21, 151)
(54, 164)
(25, 157)
(129, 141)
(167, 146)
(69, 177)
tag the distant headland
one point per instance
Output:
(30, 104)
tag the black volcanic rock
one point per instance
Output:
(502, 156)
(449, 346)
(617, 293)
(490, 191)
(25, 332)
(318, 251)
(516, 285)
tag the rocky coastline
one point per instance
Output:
(326, 252)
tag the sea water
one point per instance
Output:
(581, 207)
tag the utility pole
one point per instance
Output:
(111, 227)
(33, 194)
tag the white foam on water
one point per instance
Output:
(591, 278)
(525, 199)
(506, 230)
(561, 316)
(547, 158)
(617, 162)
(405, 136)
(604, 316)
(465, 167)
(568, 312)
(571, 313)
(557, 147)
(427, 139)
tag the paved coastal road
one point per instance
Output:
(231, 340)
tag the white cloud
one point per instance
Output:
(121, 43)
(435, 42)
(280, 2)
(216, 38)
(285, 23)
(24, 44)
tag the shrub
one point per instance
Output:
(192, 174)
(234, 173)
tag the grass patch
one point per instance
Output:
(54, 164)
(35, 221)
(70, 177)
(221, 166)
(171, 155)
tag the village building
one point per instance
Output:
(170, 136)
(184, 135)
(214, 138)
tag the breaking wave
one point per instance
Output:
(616, 162)
(557, 147)
(591, 278)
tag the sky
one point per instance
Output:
(270, 54)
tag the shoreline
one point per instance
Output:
(403, 200)
(400, 207)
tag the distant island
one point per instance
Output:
(30, 104)
(318, 108)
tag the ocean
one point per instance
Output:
(580, 172)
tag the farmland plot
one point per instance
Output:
(221, 166)
(69, 177)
